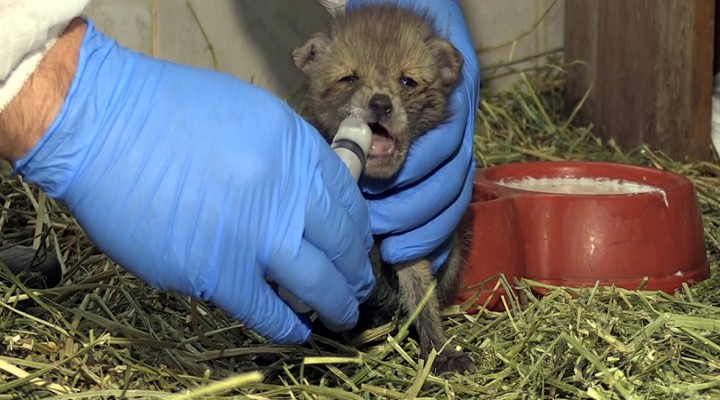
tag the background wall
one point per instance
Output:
(253, 39)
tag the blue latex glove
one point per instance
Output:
(421, 206)
(202, 184)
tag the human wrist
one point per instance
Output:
(31, 112)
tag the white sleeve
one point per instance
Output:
(28, 29)
(334, 7)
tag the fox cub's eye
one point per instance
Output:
(349, 78)
(409, 82)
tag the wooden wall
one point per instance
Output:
(650, 66)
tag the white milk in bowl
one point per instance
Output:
(581, 186)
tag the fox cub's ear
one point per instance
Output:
(449, 62)
(304, 56)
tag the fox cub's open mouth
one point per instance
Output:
(383, 144)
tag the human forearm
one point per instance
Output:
(34, 108)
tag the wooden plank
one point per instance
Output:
(716, 44)
(580, 52)
(704, 56)
(650, 66)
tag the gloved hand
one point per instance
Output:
(421, 206)
(204, 185)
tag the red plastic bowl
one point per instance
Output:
(579, 239)
(494, 248)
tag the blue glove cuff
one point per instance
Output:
(52, 162)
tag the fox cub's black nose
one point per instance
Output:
(381, 105)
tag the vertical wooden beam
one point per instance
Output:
(649, 65)
(716, 44)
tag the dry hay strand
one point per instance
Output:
(105, 334)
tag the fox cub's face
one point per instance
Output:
(386, 66)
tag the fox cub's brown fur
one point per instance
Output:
(387, 66)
